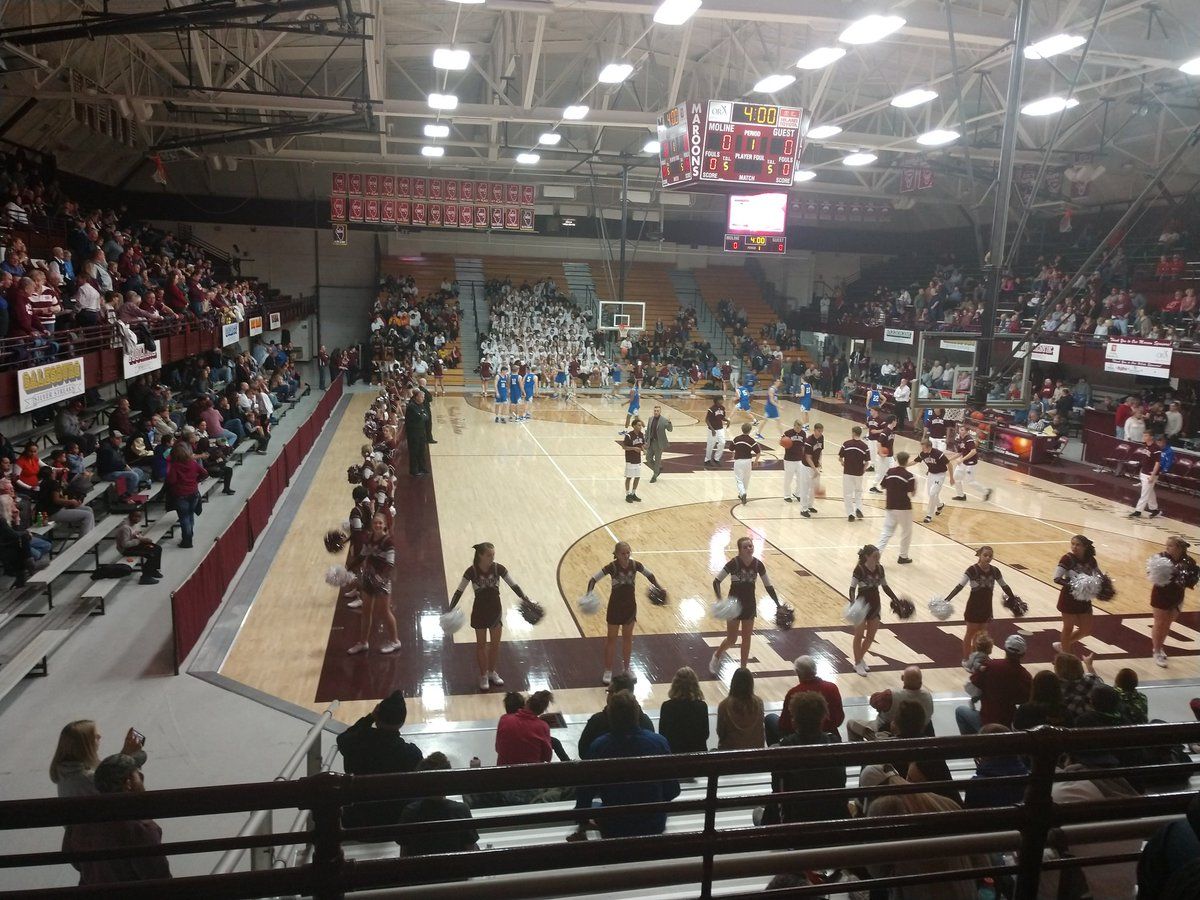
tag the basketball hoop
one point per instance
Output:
(622, 333)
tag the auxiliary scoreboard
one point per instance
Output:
(719, 143)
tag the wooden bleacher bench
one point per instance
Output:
(31, 660)
(17, 603)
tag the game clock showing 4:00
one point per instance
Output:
(724, 142)
(755, 243)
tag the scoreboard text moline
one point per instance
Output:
(720, 142)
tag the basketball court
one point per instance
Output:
(549, 494)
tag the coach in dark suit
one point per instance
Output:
(414, 433)
(427, 403)
(656, 441)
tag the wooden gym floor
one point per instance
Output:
(549, 494)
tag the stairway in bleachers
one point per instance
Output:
(469, 273)
(581, 284)
(689, 294)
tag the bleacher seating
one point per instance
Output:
(520, 269)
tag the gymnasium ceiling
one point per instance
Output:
(345, 85)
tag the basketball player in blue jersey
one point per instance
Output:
(772, 409)
(560, 381)
(531, 385)
(614, 376)
(805, 399)
(743, 403)
(635, 403)
(874, 398)
(502, 395)
(514, 394)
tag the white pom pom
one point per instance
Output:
(339, 577)
(453, 621)
(727, 609)
(345, 525)
(1085, 587)
(856, 611)
(941, 608)
(377, 456)
(589, 603)
(1160, 570)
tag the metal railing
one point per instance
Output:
(564, 867)
(261, 821)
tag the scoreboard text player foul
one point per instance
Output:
(720, 142)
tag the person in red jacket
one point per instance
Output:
(184, 474)
(806, 671)
(521, 737)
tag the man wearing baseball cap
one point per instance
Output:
(1000, 686)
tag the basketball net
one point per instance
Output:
(622, 333)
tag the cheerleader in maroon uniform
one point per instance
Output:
(744, 570)
(360, 528)
(1076, 613)
(375, 586)
(1166, 598)
(866, 581)
(438, 369)
(487, 615)
(622, 604)
(982, 579)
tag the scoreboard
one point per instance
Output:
(720, 142)
(755, 243)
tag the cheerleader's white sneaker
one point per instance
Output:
(483, 683)
(606, 678)
(494, 678)
(360, 647)
(390, 647)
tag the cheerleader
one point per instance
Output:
(635, 403)
(772, 408)
(622, 605)
(744, 570)
(866, 581)
(485, 575)
(1076, 613)
(375, 586)
(1166, 599)
(438, 369)
(360, 524)
(501, 395)
(982, 578)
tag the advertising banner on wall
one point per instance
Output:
(142, 360)
(40, 386)
(230, 333)
(897, 336)
(255, 325)
(1041, 352)
(1134, 356)
(275, 321)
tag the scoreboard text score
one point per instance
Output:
(721, 142)
(755, 243)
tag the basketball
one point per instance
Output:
(884, 451)
(977, 416)
(819, 492)
(785, 442)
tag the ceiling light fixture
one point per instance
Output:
(456, 60)
(433, 130)
(433, 151)
(938, 137)
(550, 138)
(575, 112)
(1191, 67)
(773, 83)
(912, 98)
(804, 175)
(528, 159)
(614, 73)
(652, 146)
(862, 158)
(870, 29)
(442, 101)
(820, 132)
(1052, 46)
(1048, 106)
(676, 12)
(820, 58)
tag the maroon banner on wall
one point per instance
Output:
(194, 603)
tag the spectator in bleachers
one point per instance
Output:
(373, 746)
(212, 455)
(78, 754)
(1133, 707)
(1045, 705)
(1169, 867)
(598, 723)
(114, 775)
(132, 541)
(70, 429)
(53, 501)
(521, 737)
(28, 469)
(886, 704)
(1000, 685)
(806, 671)
(184, 474)
(629, 739)
(1076, 678)
(683, 716)
(34, 548)
(740, 724)
(979, 796)
(437, 809)
(809, 713)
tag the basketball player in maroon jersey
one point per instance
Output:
(745, 451)
(793, 456)
(854, 454)
(634, 444)
(487, 376)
